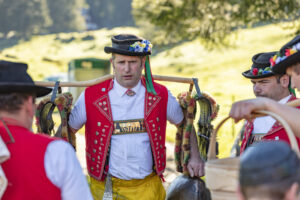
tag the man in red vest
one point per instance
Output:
(287, 60)
(39, 167)
(270, 85)
(125, 126)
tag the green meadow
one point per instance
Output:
(218, 69)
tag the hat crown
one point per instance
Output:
(128, 44)
(14, 78)
(261, 67)
(262, 60)
(281, 163)
(11, 72)
(125, 39)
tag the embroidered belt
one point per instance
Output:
(256, 138)
(129, 127)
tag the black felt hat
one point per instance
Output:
(130, 45)
(268, 162)
(261, 67)
(288, 55)
(14, 78)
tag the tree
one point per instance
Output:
(66, 15)
(111, 13)
(211, 20)
(25, 17)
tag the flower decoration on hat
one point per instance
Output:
(288, 52)
(143, 46)
(256, 71)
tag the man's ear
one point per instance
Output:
(292, 192)
(28, 103)
(111, 62)
(285, 80)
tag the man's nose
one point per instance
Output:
(256, 88)
(127, 67)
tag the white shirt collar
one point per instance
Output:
(122, 90)
(285, 99)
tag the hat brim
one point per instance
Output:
(248, 74)
(125, 52)
(39, 91)
(280, 68)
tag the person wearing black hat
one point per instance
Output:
(125, 125)
(40, 167)
(270, 85)
(287, 60)
(265, 175)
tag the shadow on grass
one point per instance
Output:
(6, 43)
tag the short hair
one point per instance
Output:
(274, 191)
(274, 174)
(278, 77)
(12, 102)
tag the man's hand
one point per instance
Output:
(196, 167)
(243, 109)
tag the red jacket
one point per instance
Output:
(99, 126)
(25, 169)
(277, 131)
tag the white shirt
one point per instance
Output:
(262, 125)
(64, 171)
(130, 154)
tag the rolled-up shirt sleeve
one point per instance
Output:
(174, 111)
(63, 170)
(78, 114)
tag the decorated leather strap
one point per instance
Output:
(63, 102)
(208, 111)
(134, 126)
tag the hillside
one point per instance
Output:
(219, 70)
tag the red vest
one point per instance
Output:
(25, 169)
(99, 126)
(277, 131)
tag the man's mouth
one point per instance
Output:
(127, 77)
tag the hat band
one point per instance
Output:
(277, 58)
(258, 72)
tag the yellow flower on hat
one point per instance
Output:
(292, 51)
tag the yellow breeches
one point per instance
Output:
(149, 188)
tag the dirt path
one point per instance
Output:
(170, 173)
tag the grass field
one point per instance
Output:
(218, 70)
